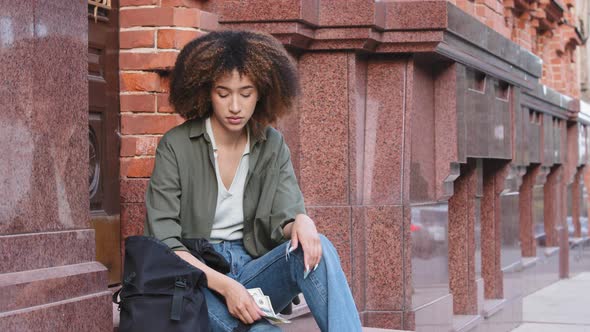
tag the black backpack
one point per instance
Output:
(160, 292)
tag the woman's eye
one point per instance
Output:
(246, 96)
(223, 96)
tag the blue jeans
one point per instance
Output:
(280, 276)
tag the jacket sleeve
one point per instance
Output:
(288, 199)
(162, 199)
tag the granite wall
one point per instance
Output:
(49, 279)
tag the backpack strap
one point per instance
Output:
(179, 288)
(116, 297)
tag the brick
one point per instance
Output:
(467, 6)
(165, 83)
(128, 146)
(149, 82)
(136, 124)
(137, 167)
(147, 61)
(208, 21)
(125, 3)
(144, 103)
(146, 146)
(133, 190)
(172, 3)
(156, 17)
(173, 38)
(136, 38)
(163, 104)
(480, 11)
(182, 3)
(187, 17)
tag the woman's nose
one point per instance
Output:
(234, 106)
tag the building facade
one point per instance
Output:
(441, 145)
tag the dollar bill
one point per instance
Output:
(265, 306)
(255, 292)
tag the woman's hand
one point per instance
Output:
(240, 303)
(303, 232)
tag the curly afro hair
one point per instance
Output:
(257, 55)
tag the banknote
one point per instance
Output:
(265, 306)
(255, 291)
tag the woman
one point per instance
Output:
(226, 175)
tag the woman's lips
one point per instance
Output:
(236, 120)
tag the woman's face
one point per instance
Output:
(234, 98)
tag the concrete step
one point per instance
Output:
(307, 323)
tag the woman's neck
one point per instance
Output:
(226, 138)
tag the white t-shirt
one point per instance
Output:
(229, 214)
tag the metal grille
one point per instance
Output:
(99, 7)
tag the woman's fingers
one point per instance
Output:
(253, 311)
(294, 241)
(241, 305)
(312, 254)
(304, 233)
(319, 253)
(315, 252)
(247, 319)
(245, 316)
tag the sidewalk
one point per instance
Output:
(307, 324)
(561, 307)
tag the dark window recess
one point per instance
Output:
(477, 80)
(535, 117)
(502, 90)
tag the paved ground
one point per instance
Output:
(307, 324)
(561, 307)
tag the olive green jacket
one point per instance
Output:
(182, 194)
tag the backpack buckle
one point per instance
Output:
(177, 299)
(180, 283)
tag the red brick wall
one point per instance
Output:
(152, 32)
(489, 12)
(525, 27)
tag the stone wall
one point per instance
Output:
(49, 279)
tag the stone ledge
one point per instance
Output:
(551, 251)
(30, 251)
(307, 323)
(514, 267)
(528, 262)
(31, 288)
(85, 313)
(576, 241)
(492, 307)
(465, 323)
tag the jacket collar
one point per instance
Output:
(197, 128)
